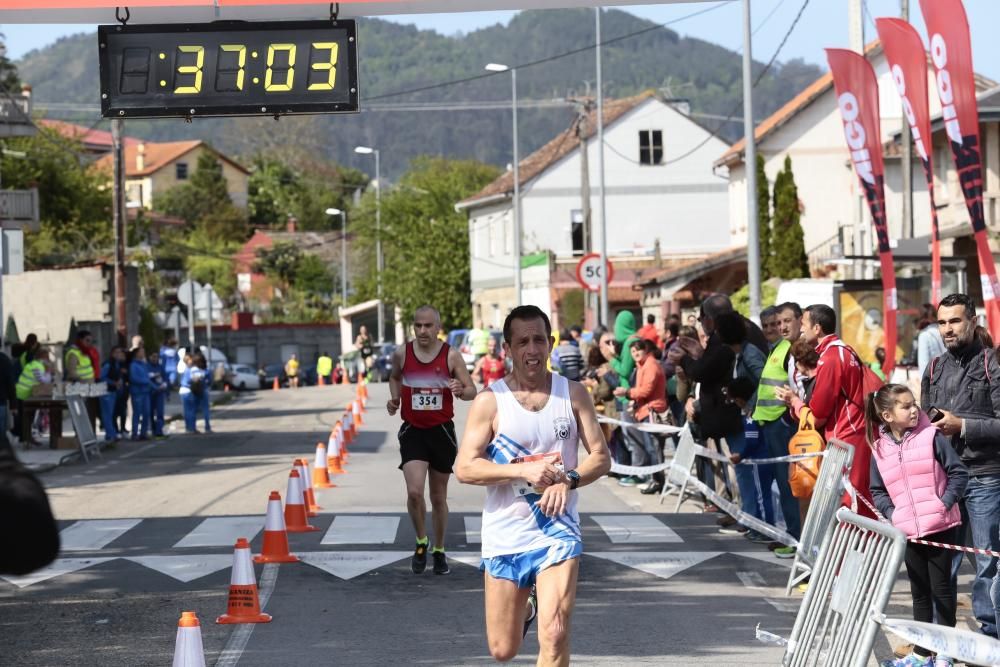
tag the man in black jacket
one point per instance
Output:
(964, 384)
(7, 388)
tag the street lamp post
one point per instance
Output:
(516, 232)
(343, 253)
(365, 150)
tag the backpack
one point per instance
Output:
(870, 381)
(802, 475)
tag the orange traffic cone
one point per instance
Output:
(364, 397)
(343, 377)
(312, 509)
(347, 421)
(296, 520)
(334, 456)
(356, 411)
(188, 649)
(275, 548)
(322, 382)
(321, 478)
(275, 386)
(225, 387)
(244, 605)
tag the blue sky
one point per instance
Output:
(823, 24)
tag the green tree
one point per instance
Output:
(425, 241)
(74, 200)
(204, 199)
(789, 253)
(303, 188)
(313, 276)
(280, 263)
(207, 258)
(9, 80)
(763, 219)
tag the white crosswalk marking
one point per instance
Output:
(662, 564)
(635, 529)
(94, 534)
(58, 567)
(185, 568)
(350, 564)
(473, 528)
(362, 530)
(222, 531)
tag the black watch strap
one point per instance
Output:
(574, 479)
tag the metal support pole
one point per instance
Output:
(856, 40)
(207, 291)
(516, 232)
(908, 227)
(343, 259)
(191, 315)
(750, 166)
(378, 245)
(119, 315)
(604, 316)
(176, 312)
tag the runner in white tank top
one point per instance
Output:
(531, 530)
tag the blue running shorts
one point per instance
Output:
(522, 568)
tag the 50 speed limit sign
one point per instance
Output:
(588, 271)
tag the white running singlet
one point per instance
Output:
(511, 523)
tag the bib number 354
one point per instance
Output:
(427, 401)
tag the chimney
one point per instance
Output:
(290, 225)
(140, 156)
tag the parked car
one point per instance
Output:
(455, 337)
(272, 371)
(468, 357)
(382, 367)
(245, 377)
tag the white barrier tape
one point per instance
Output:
(969, 647)
(733, 510)
(642, 426)
(636, 471)
(953, 547)
(707, 453)
(769, 637)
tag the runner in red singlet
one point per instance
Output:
(426, 376)
(490, 368)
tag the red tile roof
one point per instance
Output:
(90, 137)
(158, 155)
(562, 145)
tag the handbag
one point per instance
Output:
(802, 475)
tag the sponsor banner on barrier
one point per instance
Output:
(857, 99)
(971, 648)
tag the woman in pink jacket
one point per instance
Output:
(916, 481)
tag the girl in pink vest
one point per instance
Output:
(916, 481)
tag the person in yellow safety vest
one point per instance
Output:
(36, 372)
(324, 367)
(771, 413)
(79, 364)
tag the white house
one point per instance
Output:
(810, 131)
(664, 204)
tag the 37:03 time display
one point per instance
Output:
(279, 74)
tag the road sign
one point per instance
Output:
(19, 208)
(588, 271)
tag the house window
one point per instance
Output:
(650, 147)
(576, 231)
(491, 231)
(182, 171)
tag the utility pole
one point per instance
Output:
(603, 319)
(209, 293)
(908, 228)
(583, 108)
(191, 315)
(119, 315)
(856, 36)
(750, 167)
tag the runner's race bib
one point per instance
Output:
(521, 486)
(427, 400)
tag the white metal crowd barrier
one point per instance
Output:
(679, 472)
(837, 459)
(851, 580)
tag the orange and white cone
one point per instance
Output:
(356, 411)
(275, 547)
(364, 398)
(333, 452)
(244, 604)
(321, 478)
(312, 509)
(188, 649)
(296, 518)
(321, 382)
(346, 421)
(275, 386)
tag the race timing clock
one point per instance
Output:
(228, 69)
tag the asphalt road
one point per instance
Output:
(148, 532)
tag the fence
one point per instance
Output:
(852, 578)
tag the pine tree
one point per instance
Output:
(9, 81)
(763, 220)
(789, 253)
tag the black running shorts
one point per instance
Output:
(436, 445)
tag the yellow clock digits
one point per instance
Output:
(195, 69)
(241, 62)
(330, 66)
(290, 70)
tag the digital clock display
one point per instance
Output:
(228, 69)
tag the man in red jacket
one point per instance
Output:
(838, 401)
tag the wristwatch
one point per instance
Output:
(574, 479)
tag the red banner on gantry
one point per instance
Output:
(857, 99)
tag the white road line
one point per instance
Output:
(94, 534)
(755, 582)
(222, 531)
(473, 529)
(138, 451)
(347, 529)
(636, 529)
(230, 656)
